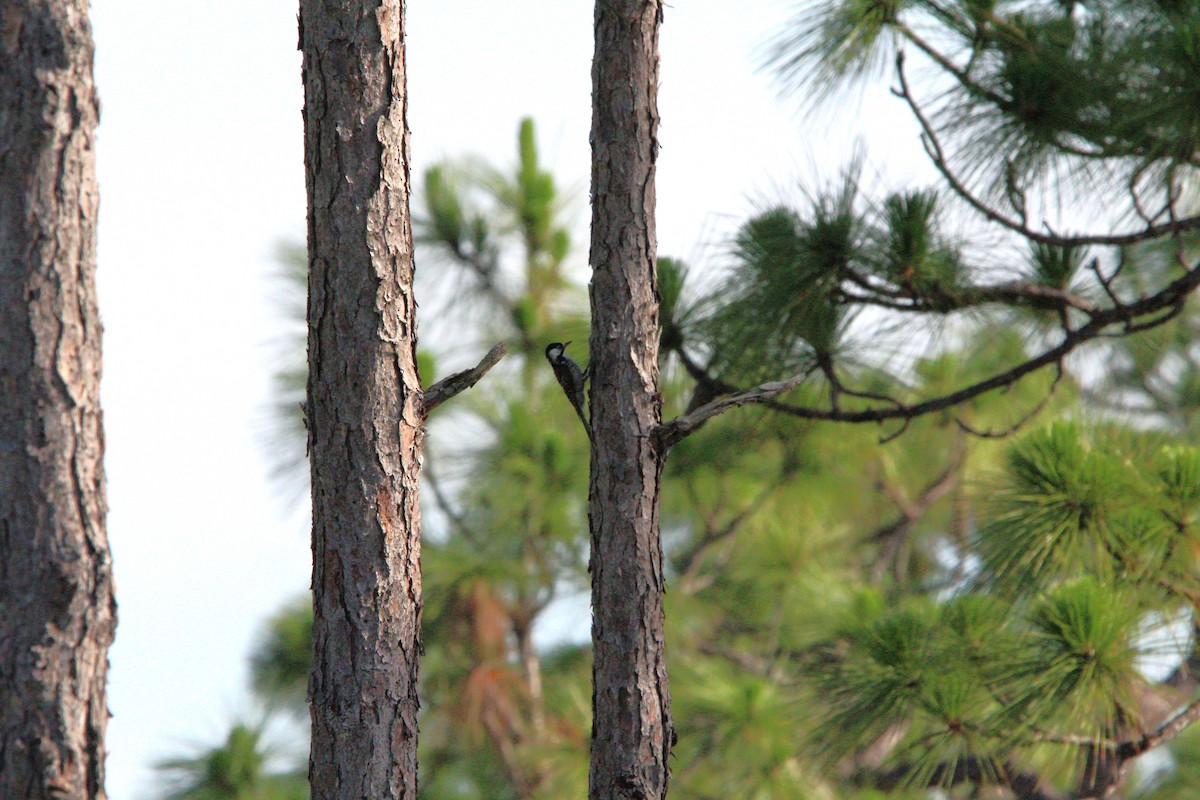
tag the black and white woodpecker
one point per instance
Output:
(570, 377)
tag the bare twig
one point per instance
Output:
(675, 430)
(962, 77)
(451, 385)
(1135, 197)
(1106, 283)
(891, 536)
(837, 388)
(485, 267)
(896, 434)
(1005, 432)
(456, 517)
(708, 388)
(687, 562)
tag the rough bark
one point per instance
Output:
(364, 403)
(631, 703)
(57, 613)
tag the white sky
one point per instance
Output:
(201, 174)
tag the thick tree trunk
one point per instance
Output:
(364, 403)
(57, 613)
(631, 702)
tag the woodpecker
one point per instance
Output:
(570, 377)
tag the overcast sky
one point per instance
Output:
(201, 175)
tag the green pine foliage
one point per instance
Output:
(785, 267)
(236, 770)
(1087, 538)
(280, 662)
(981, 606)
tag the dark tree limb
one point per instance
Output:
(1165, 304)
(1165, 732)
(451, 385)
(978, 770)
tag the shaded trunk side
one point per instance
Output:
(57, 612)
(364, 403)
(631, 703)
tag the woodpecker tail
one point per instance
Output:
(579, 410)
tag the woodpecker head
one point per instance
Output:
(555, 351)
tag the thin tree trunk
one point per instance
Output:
(631, 702)
(364, 403)
(57, 613)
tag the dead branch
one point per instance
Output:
(675, 430)
(451, 385)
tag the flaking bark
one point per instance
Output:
(57, 612)
(631, 702)
(364, 403)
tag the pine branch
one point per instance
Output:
(937, 155)
(1031, 295)
(977, 770)
(964, 80)
(1025, 785)
(451, 385)
(1110, 761)
(1166, 303)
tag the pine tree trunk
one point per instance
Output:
(57, 613)
(364, 403)
(631, 702)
